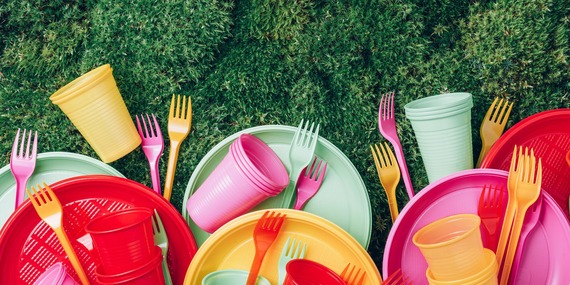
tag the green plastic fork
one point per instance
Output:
(291, 250)
(161, 239)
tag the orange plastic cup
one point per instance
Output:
(95, 106)
(452, 247)
(487, 276)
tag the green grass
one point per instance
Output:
(259, 62)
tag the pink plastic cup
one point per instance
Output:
(304, 271)
(148, 273)
(123, 239)
(246, 176)
(55, 275)
(261, 161)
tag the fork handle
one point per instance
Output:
(66, 244)
(403, 167)
(171, 169)
(392, 203)
(484, 150)
(154, 176)
(256, 265)
(20, 190)
(512, 247)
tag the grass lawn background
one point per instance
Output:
(257, 62)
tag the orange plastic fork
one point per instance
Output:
(49, 208)
(528, 189)
(265, 233)
(397, 278)
(352, 275)
(179, 125)
(493, 125)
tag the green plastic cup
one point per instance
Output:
(231, 277)
(442, 126)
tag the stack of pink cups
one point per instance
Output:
(249, 173)
(125, 246)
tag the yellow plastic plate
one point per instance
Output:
(231, 247)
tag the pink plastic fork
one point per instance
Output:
(387, 126)
(531, 219)
(152, 146)
(23, 164)
(309, 183)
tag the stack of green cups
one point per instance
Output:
(442, 125)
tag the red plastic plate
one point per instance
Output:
(28, 246)
(548, 133)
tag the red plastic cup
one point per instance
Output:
(148, 273)
(304, 272)
(123, 239)
(55, 275)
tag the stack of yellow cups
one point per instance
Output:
(95, 106)
(454, 251)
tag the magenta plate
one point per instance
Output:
(547, 252)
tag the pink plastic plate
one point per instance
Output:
(28, 246)
(547, 251)
(548, 133)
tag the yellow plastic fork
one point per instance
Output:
(49, 208)
(510, 211)
(388, 173)
(179, 125)
(493, 125)
(527, 192)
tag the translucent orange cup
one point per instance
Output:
(95, 106)
(487, 276)
(452, 247)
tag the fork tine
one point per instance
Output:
(391, 110)
(308, 135)
(322, 171)
(496, 111)
(315, 137)
(505, 116)
(35, 145)
(16, 143)
(157, 132)
(491, 110)
(32, 198)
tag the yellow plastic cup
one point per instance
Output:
(452, 247)
(95, 106)
(487, 276)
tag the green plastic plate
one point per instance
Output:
(50, 167)
(342, 198)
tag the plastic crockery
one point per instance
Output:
(28, 247)
(452, 246)
(148, 273)
(487, 276)
(50, 167)
(123, 239)
(549, 135)
(230, 190)
(55, 275)
(459, 194)
(95, 106)
(304, 271)
(232, 247)
(350, 210)
(231, 277)
(442, 126)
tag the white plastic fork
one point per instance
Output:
(161, 240)
(23, 164)
(152, 146)
(300, 154)
(309, 182)
(291, 250)
(387, 126)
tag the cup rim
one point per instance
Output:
(469, 217)
(146, 211)
(260, 185)
(423, 105)
(75, 87)
(440, 115)
(56, 272)
(324, 270)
